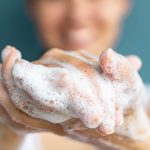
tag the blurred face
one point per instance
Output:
(78, 24)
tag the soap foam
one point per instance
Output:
(57, 94)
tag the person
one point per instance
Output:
(92, 25)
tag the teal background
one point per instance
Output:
(17, 30)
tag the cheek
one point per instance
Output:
(107, 16)
(50, 18)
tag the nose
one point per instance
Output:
(78, 14)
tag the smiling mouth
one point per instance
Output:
(78, 38)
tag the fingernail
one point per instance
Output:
(105, 133)
(105, 130)
(6, 52)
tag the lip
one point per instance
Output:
(78, 38)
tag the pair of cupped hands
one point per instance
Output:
(61, 85)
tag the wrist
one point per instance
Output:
(9, 139)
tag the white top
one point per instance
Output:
(31, 142)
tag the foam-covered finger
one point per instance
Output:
(92, 120)
(105, 61)
(136, 61)
(9, 56)
(116, 66)
(9, 50)
(89, 114)
(44, 90)
(108, 126)
(113, 64)
(28, 76)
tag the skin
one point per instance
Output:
(16, 120)
(92, 25)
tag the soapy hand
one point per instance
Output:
(10, 115)
(64, 85)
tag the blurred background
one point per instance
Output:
(17, 30)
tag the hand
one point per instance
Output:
(12, 117)
(72, 85)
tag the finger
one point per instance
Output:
(136, 61)
(116, 66)
(91, 117)
(23, 120)
(105, 62)
(53, 80)
(10, 50)
(5, 118)
(92, 120)
(18, 128)
(9, 56)
(108, 126)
